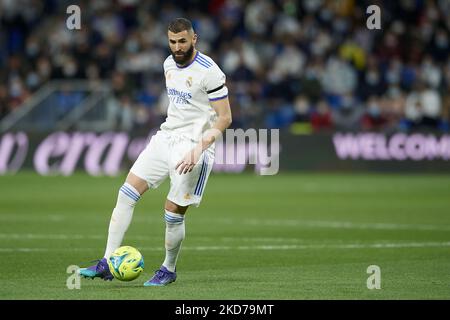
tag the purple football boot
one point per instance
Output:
(161, 278)
(101, 270)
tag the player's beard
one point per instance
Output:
(186, 56)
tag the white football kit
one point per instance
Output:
(190, 89)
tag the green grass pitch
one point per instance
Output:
(288, 236)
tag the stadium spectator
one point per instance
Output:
(373, 118)
(423, 107)
(3, 101)
(445, 124)
(321, 119)
(348, 113)
(273, 51)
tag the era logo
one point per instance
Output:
(73, 281)
(374, 21)
(374, 281)
(74, 20)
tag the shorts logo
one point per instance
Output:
(189, 82)
(187, 196)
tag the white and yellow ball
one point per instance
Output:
(126, 263)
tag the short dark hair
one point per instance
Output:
(180, 24)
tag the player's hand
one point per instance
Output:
(189, 161)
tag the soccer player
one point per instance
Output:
(183, 149)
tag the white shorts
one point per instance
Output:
(158, 160)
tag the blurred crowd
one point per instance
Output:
(303, 66)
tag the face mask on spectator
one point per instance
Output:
(32, 49)
(15, 89)
(32, 80)
(132, 46)
(372, 77)
(442, 40)
(374, 110)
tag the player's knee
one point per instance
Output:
(139, 184)
(175, 208)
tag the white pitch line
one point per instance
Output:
(382, 245)
(24, 249)
(66, 217)
(255, 222)
(326, 246)
(47, 236)
(44, 236)
(346, 225)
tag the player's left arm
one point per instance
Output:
(223, 121)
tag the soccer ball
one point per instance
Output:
(126, 263)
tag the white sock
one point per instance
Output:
(175, 232)
(121, 217)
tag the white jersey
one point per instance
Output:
(190, 89)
